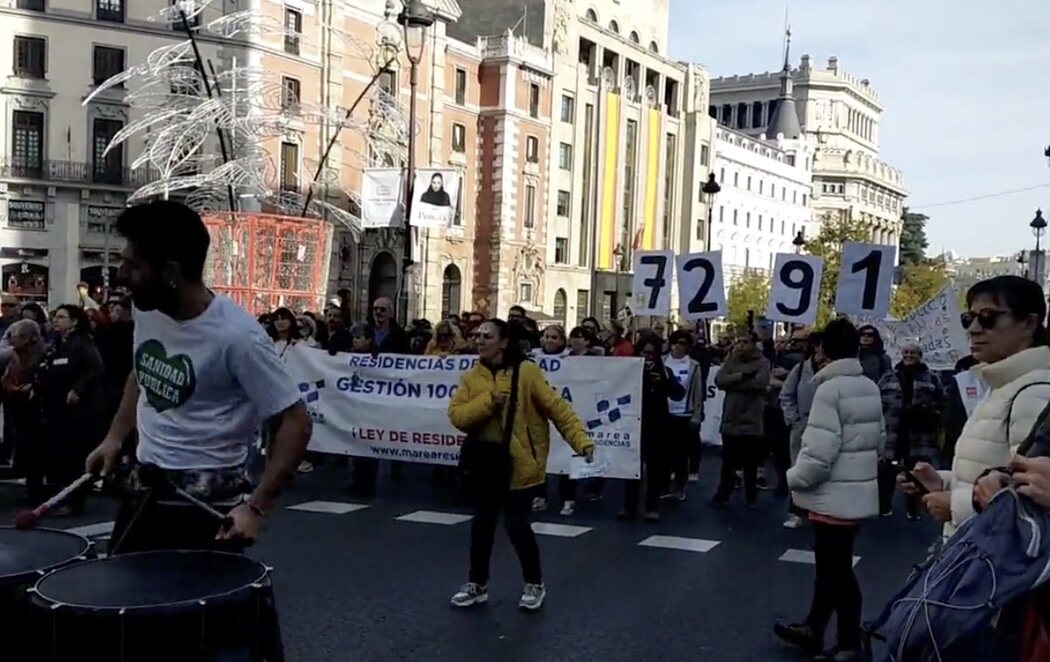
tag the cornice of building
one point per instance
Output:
(802, 76)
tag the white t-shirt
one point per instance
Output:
(204, 386)
(680, 368)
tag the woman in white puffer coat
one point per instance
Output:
(835, 478)
(1006, 324)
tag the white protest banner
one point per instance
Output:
(701, 286)
(796, 284)
(934, 326)
(395, 407)
(714, 399)
(435, 194)
(865, 279)
(380, 198)
(651, 287)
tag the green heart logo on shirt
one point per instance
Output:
(168, 381)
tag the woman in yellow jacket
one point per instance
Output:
(481, 407)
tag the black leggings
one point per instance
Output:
(517, 509)
(835, 589)
(744, 453)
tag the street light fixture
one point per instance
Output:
(799, 241)
(710, 189)
(1038, 226)
(414, 19)
(1021, 261)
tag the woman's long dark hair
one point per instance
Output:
(1022, 297)
(513, 353)
(77, 314)
(293, 330)
(653, 340)
(39, 316)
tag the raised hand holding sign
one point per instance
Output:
(701, 286)
(795, 288)
(651, 286)
(865, 280)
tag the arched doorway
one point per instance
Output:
(451, 287)
(382, 278)
(560, 306)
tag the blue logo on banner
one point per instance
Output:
(311, 390)
(608, 411)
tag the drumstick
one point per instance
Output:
(225, 519)
(27, 519)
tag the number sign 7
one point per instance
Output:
(651, 286)
(701, 286)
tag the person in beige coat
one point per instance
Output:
(1006, 324)
(744, 377)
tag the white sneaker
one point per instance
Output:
(471, 594)
(532, 597)
(305, 467)
(539, 505)
(793, 522)
(568, 508)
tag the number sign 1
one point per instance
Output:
(865, 280)
(795, 288)
(701, 286)
(651, 287)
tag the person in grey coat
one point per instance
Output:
(744, 377)
(796, 399)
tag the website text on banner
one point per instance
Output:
(395, 407)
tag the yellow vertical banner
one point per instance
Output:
(652, 182)
(609, 164)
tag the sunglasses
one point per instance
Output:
(987, 319)
(379, 309)
(482, 336)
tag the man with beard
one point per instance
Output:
(204, 374)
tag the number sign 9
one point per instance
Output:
(701, 286)
(796, 284)
(865, 280)
(651, 286)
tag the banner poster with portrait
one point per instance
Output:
(435, 196)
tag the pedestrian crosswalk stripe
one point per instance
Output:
(14, 481)
(91, 530)
(683, 544)
(434, 517)
(559, 530)
(805, 556)
(329, 507)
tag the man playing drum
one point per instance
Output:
(205, 374)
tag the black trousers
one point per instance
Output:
(740, 452)
(778, 440)
(516, 506)
(654, 476)
(566, 488)
(682, 439)
(835, 589)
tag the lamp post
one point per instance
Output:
(710, 189)
(1036, 264)
(799, 241)
(414, 19)
(1021, 261)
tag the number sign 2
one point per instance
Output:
(865, 280)
(796, 286)
(701, 286)
(651, 286)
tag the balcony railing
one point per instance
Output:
(78, 172)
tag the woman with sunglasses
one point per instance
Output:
(495, 413)
(1008, 336)
(446, 340)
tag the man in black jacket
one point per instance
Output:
(390, 337)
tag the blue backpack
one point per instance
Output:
(964, 603)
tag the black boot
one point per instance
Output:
(801, 636)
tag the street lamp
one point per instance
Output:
(711, 189)
(1021, 262)
(414, 19)
(799, 241)
(1038, 226)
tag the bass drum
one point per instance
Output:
(167, 606)
(24, 557)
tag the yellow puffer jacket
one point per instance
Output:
(538, 406)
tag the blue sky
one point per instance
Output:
(966, 86)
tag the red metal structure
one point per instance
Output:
(265, 261)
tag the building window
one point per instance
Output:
(736, 217)
(654, 47)
(532, 149)
(110, 10)
(107, 169)
(292, 92)
(670, 160)
(756, 115)
(803, 199)
(525, 293)
(747, 220)
(749, 182)
(772, 190)
(565, 156)
(289, 166)
(614, 27)
(31, 5)
(741, 115)
(722, 177)
(568, 107)
(629, 174)
(727, 115)
(27, 143)
(794, 196)
(760, 223)
(451, 287)
(635, 37)
(585, 186)
(534, 100)
(560, 306)
(461, 86)
(705, 154)
(530, 206)
(26, 215)
(761, 187)
(30, 57)
(736, 179)
(459, 138)
(563, 204)
(583, 305)
(561, 250)
(388, 83)
(108, 62)
(293, 30)
(592, 16)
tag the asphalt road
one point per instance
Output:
(703, 584)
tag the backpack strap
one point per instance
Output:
(1010, 411)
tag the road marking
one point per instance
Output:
(683, 544)
(329, 507)
(805, 556)
(91, 530)
(434, 517)
(559, 530)
(14, 481)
